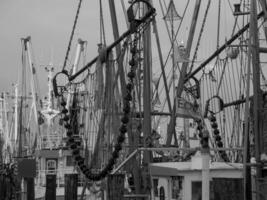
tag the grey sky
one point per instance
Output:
(49, 23)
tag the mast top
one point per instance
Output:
(172, 13)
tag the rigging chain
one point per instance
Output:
(71, 35)
(123, 127)
(200, 35)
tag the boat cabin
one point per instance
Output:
(183, 180)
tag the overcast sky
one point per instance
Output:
(49, 24)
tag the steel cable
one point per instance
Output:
(71, 35)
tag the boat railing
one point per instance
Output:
(51, 141)
(60, 177)
(56, 140)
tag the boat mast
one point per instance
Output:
(23, 96)
(79, 50)
(2, 131)
(118, 46)
(34, 91)
(179, 89)
(6, 129)
(32, 72)
(246, 153)
(264, 9)
(147, 99)
(15, 118)
(257, 97)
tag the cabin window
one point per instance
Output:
(155, 187)
(69, 161)
(177, 187)
(51, 166)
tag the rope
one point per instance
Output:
(170, 50)
(162, 11)
(218, 25)
(35, 75)
(102, 29)
(200, 35)
(221, 117)
(227, 127)
(71, 35)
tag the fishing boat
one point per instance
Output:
(172, 108)
(53, 158)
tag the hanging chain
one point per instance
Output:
(71, 35)
(217, 137)
(136, 29)
(123, 127)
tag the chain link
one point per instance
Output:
(123, 127)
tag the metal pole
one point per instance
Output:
(118, 47)
(257, 102)
(33, 89)
(75, 65)
(109, 48)
(162, 64)
(217, 52)
(264, 9)
(125, 161)
(147, 97)
(15, 119)
(205, 174)
(245, 151)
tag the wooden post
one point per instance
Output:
(2, 186)
(257, 97)
(23, 189)
(133, 135)
(30, 188)
(71, 186)
(115, 186)
(246, 130)
(51, 186)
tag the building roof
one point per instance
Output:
(174, 168)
